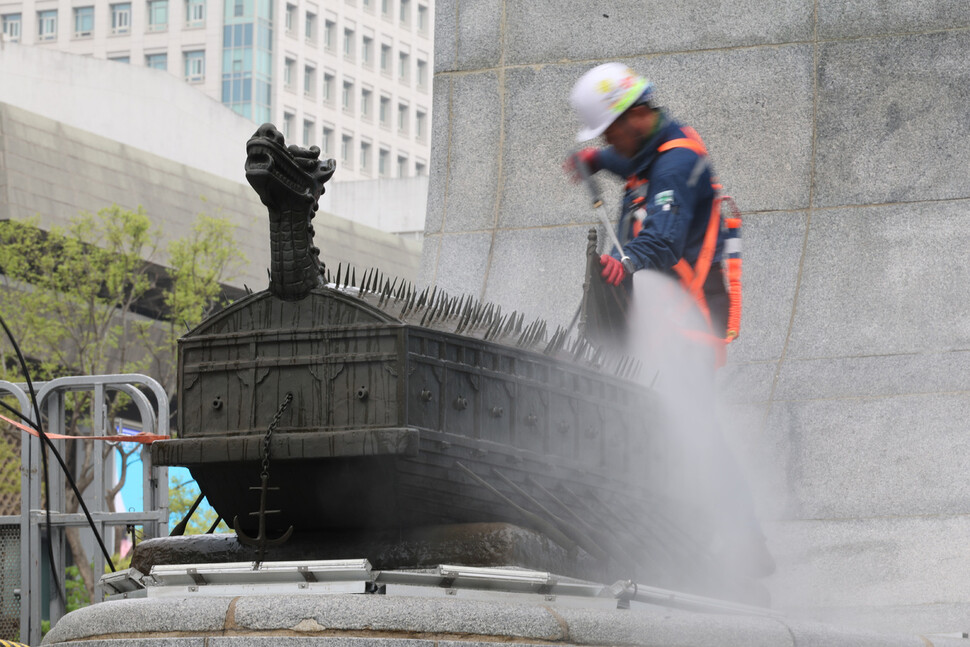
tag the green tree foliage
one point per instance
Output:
(89, 299)
(182, 493)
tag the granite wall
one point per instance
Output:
(841, 128)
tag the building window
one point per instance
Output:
(309, 74)
(403, 67)
(83, 22)
(383, 159)
(422, 67)
(310, 28)
(238, 8)
(157, 61)
(120, 59)
(386, 9)
(289, 19)
(420, 168)
(386, 59)
(308, 128)
(157, 15)
(195, 13)
(383, 114)
(327, 141)
(365, 101)
(349, 44)
(47, 25)
(328, 87)
(365, 157)
(329, 35)
(422, 19)
(402, 166)
(195, 66)
(402, 118)
(121, 18)
(405, 12)
(346, 148)
(287, 126)
(368, 5)
(367, 51)
(11, 26)
(289, 69)
(420, 125)
(347, 98)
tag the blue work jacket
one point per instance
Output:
(674, 205)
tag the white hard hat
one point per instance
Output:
(603, 94)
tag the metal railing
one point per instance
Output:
(51, 397)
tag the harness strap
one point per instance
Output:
(693, 278)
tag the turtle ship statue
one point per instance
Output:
(331, 403)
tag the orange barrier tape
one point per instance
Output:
(143, 438)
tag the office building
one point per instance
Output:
(350, 76)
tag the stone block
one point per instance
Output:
(463, 261)
(430, 252)
(445, 37)
(540, 131)
(138, 642)
(893, 116)
(840, 458)
(869, 376)
(479, 34)
(839, 19)
(868, 563)
(135, 642)
(440, 144)
(745, 383)
(199, 614)
(773, 244)
(884, 280)
(662, 627)
(763, 159)
(538, 271)
(942, 624)
(539, 32)
(475, 139)
(451, 615)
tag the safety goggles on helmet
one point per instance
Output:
(604, 93)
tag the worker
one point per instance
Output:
(670, 222)
(669, 192)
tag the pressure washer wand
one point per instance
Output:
(594, 191)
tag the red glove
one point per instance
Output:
(613, 270)
(589, 156)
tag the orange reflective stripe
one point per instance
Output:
(695, 146)
(637, 226)
(734, 298)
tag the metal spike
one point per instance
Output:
(465, 316)
(247, 289)
(385, 292)
(353, 280)
(619, 367)
(339, 269)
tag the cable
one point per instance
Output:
(67, 473)
(43, 455)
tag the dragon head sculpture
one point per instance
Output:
(289, 181)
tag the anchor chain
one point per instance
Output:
(269, 433)
(261, 541)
